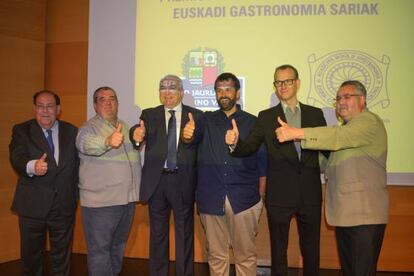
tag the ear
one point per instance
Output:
(238, 94)
(298, 83)
(59, 109)
(363, 102)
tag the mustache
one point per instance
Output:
(223, 98)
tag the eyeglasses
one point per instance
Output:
(48, 107)
(288, 82)
(346, 97)
(168, 88)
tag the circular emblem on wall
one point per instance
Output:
(329, 71)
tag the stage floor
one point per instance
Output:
(133, 267)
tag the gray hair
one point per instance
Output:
(174, 77)
(103, 88)
(358, 86)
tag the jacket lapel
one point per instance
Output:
(184, 120)
(63, 144)
(305, 118)
(160, 125)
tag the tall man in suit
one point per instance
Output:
(293, 176)
(168, 176)
(43, 153)
(356, 197)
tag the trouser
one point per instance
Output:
(33, 234)
(359, 248)
(236, 231)
(308, 219)
(106, 232)
(168, 196)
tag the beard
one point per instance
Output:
(227, 104)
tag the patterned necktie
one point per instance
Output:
(172, 142)
(50, 141)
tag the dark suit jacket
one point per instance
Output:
(34, 195)
(156, 151)
(289, 180)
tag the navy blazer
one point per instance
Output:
(35, 194)
(289, 180)
(156, 151)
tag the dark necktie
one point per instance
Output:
(172, 142)
(50, 141)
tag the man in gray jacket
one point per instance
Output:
(109, 178)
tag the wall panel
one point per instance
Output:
(22, 56)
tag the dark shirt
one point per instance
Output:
(220, 174)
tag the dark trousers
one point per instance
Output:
(106, 232)
(359, 248)
(168, 197)
(309, 224)
(33, 232)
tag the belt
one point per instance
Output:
(169, 171)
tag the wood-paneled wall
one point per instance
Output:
(66, 68)
(66, 73)
(22, 58)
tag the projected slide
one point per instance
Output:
(134, 43)
(328, 41)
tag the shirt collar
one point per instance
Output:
(105, 121)
(54, 128)
(177, 108)
(238, 110)
(285, 106)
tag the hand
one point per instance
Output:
(116, 139)
(189, 128)
(40, 166)
(285, 132)
(139, 132)
(232, 135)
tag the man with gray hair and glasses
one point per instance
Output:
(169, 176)
(356, 197)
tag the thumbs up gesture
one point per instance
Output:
(116, 139)
(139, 132)
(232, 135)
(41, 165)
(189, 128)
(287, 133)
